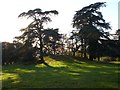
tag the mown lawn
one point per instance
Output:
(65, 72)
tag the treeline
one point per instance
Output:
(89, 40)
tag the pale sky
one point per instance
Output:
(10, 24)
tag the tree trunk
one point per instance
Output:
(91, 57)
(98, 58)
(41, 53)
(54, 48)
(82, 48)
(74, 53)
(85, 51)
(85, 56)
(54, 51)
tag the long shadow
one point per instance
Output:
(61, 57)
(47, 76)
(65, 58)
(58, 77)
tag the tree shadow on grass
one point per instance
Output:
(66, 59)
(78, 60)
(40, 77)
(70, 76)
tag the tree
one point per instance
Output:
(118, 34)
(7, 53)
(62, 43)
(51, 39)
(34, 32)
(118, 44)
(74, 39)
(91, 25)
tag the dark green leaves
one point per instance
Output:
(90, 20)
(88, 15)
(36, 13)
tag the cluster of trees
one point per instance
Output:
(90, 39)
(92, 33)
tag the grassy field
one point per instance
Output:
(65, 72)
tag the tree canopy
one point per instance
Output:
(34, 33)
(91, 25)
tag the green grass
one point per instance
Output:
(65, 72)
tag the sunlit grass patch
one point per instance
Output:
(18, 70)
(11, 78)
(115, 62)
(54, 63)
